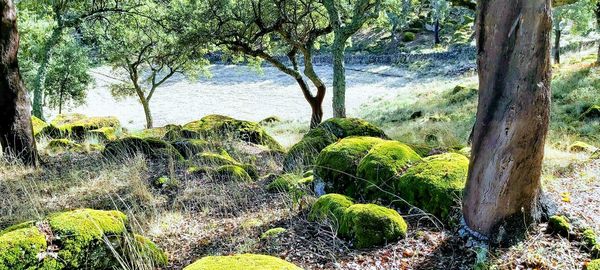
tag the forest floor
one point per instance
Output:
(199, 216)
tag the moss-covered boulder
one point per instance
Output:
(56, 146)
(288, 182)
(559, 224)
(460, 94)
(152, 148)
(104, 134)
(38, 125)
(81, 239)
(270, 120)
(242, 262)
(214, 159)
(337, 164)
(304, 154)
(272, 233)
(190, 147)
(220, 126)
(371, 225)
(408, 36)
(233, 173)
(77, 125)
(581, 147)
(20, 248)
(330, 207)
(382, 165)
(435, 184)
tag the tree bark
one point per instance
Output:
(557, 34)
(42, 72)
(16, 131)
(597, 11)
(147, 113)
(503, 186)
(339, 77)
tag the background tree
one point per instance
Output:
(346, 18)
(512, 120)
(65, 15)
(262, 30)
(576, 16)
(68, 78)
(16, 131)
(439, 12)
(145, 53)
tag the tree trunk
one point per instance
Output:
(146, 105)
(16, 131)
(598, 29)
(40, 78)
(339, 77)
(557, 34)
(436, 32)
(503, 186)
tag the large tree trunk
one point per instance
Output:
(598, 29)
(42, 72)
(339, 77)
(512, 115)
(16, 132)
(557, 34)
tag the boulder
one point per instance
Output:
(152, 148)
(593, 265)
(337, 164)
(289, 182)
(371, 225)
(190, 147)
(77, 125)
(233, 173)
(593, 112)
(581, 147)
(434, 184)
(303, 154)
(63, 145)
(242, 262)
(38, 125)
(382, 165)
(330, 207)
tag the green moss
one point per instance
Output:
(161, 182)
(252, 170)
(595, 155)
(220, 126)
(19, 249)
(199, 170)
(272, 233)
(346, 127)
(336, 165)
(63, 145)
(382, 166)
(460, 94)
(270, 120)
(214, 159)
(408, 36)
(152, 148)
(77, 125)
(372, 225)
(233, 173)
(145, 250)
(81, 234)
(104, 134)
(303, 154)
(241, 262)
(190, 147)
(308, 173)
(559, 224)
(330, 207)
(581, 147)
(593, 265)
(435, 184)
(38, 125)
(589, 238)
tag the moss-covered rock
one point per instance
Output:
(220, 126)
(460, 94)
(38, 125)
(241, 262)
(595, 155)
(336, 165)
(19, 249)
(270, 120)
(190, 147)
(372, 225)
(559, 224)
(77, 125)
(593, 265)
(288, 182)
(590, 241)
(383, 164)
(303, 154)
(146, 250)
(330, 207)
(408, 36)
(152, 148)
(63, 145)
(234, 173)
(579, 147)
(215, 160)
(435, 184)
(104, 134)
(272, 233)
